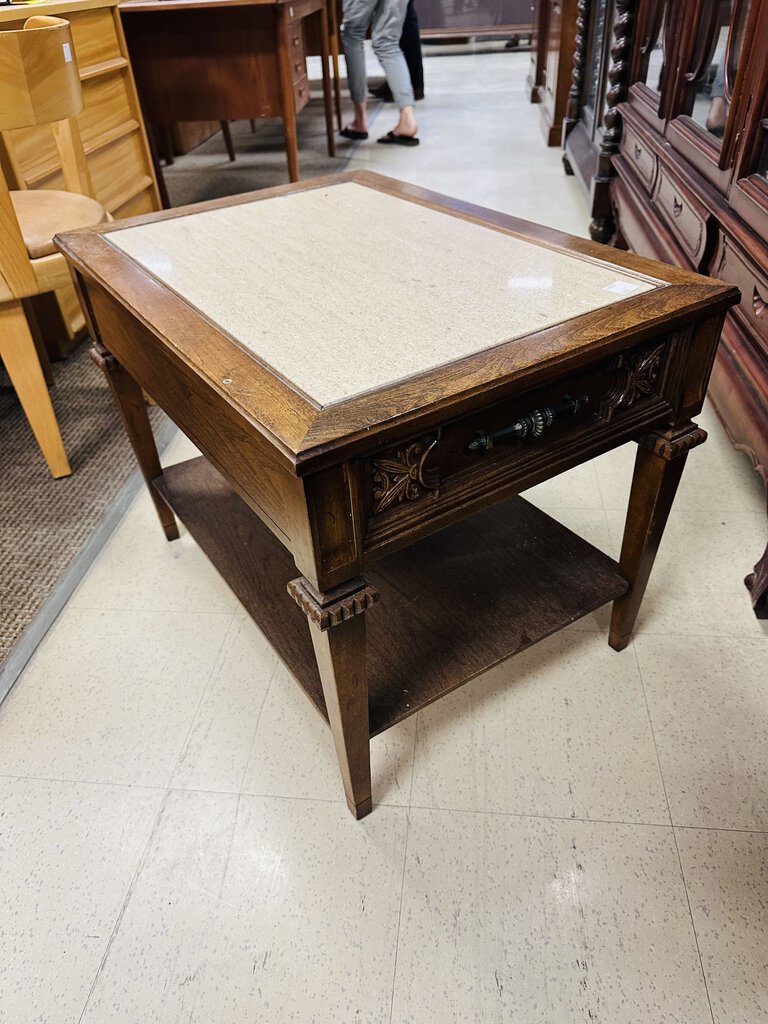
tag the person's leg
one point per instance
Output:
(410, 44)
(356, 19)
(388, 21)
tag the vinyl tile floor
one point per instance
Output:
(576, 837)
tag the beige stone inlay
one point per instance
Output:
(344, 289)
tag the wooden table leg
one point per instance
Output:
(337, 625)
(334, 36)
(227, 134)
(288, 100)
(129, 399)
(325, 55)
(658, 468)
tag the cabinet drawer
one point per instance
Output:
(301, 93)
(684, 213)
(296, 51)
(732, 264)
(512, 445)
(639, 156)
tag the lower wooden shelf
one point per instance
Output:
(452, 605)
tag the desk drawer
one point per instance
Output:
(296, 50)
(301, 93)
(514, 444)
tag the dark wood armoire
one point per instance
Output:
(549, 77)
(667, 125)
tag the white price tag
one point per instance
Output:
(622, 287)
(67, 52)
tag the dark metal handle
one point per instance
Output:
(531, 425)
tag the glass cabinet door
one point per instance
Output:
(651, 45)
(720, 52)
(594, 87)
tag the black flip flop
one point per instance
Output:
(393, 139)
(352, 133)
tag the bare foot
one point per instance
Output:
(360, 122)
(407, 123)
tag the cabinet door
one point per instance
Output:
(601, 16)
(714, 92)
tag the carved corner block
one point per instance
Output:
(334, 606)
(674, 443)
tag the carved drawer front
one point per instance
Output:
(732, 264)
(516, 441)
(683, 212)
(639, 155)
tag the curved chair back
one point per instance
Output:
(39, 80)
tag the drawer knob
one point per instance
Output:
(677, 206)
(759, 304)
(638, 152)
(533, 424)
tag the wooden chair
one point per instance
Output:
(39, 84)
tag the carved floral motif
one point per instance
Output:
(402, 474)
(635, 377)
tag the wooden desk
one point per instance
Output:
(343, 353)
(221, 60)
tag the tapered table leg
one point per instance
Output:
(658, 468)
(18, 352)
(337, 626)
(129, 399)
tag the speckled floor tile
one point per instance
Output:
(110, 696)
(139, 570)
(479, 107)
(708, 701)
(68, 853)
(559, 730)
(216, 753)
(576, 489)
(716, 477)
(273, 910)
(546, 922)
(293, 753)
(697, 583)
(726, 875)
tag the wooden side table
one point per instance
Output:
(373, 372)
(223, 60)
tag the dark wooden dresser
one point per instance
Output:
(677, 167)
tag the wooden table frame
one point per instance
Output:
(361, 497)
(218, 78)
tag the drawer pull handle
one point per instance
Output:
(677, 206)
(759, 304)
(638, 152)
(295, 40)
(533, 424)
(297, 66)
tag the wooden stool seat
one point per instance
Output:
(43, 213)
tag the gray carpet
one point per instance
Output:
(207, 173)
(45, 523)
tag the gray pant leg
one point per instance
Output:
(388, 19)
(357, 16)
